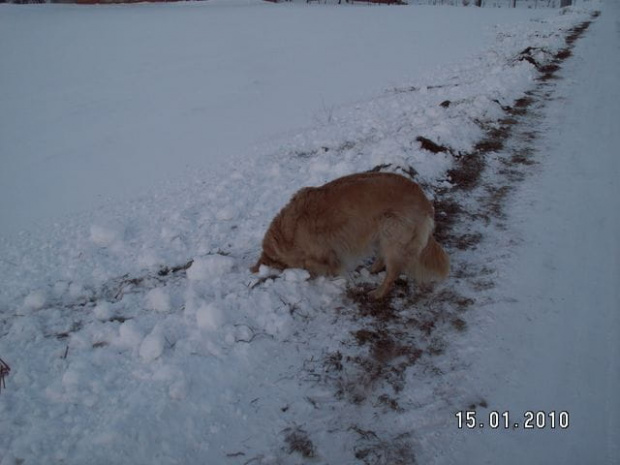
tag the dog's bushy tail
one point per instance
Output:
(433, 263)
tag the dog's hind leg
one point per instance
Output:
(393, 238)
(400, 244)
(393, 269)
(378, 265)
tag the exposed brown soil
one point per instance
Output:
(412, 324)
(431, 146)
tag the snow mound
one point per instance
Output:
(157, 299)
(35, 300)
(129, 335)
(210, 267)
(295, 275)
(102, 311)
(106, 236)
(209, 317)
(152, 346)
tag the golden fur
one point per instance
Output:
(325, 229)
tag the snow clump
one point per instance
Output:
(157, 299)
(129, 335)
(105, 236)
(102, 311)
(152, 346)
(35, 300)
(209, 267)
(209, 317)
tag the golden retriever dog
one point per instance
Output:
(326, 229)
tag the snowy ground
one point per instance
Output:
(136, 334)
(99, 104)
(559, 288)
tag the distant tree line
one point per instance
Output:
(478, 3)
(498, 3)
(387, 2)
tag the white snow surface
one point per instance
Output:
(99, 104)
(144, 151)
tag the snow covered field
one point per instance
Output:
(103, 103)
(145, 149)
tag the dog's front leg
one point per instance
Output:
(386, 286)
(324, 266)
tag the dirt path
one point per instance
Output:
(552, 344)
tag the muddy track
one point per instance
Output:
(415, 327)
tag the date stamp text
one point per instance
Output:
(528, 420)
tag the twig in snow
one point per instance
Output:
(5, 369)
(262, 279)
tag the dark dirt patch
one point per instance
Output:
(399, 332)
(526, 55)
(454, 299)
(447, 212)
(467, 241)
(377, 451)
(166, 271)
(521, 106)
(491, 144)
(431, 146)
(549, 72)
(494, 199)
(482, 285)
(512, 174)
(475, 405)
(333, 361)
(379, 309)
(551, 68)
(408, 171)
(563, 54)
(459, 324)
(469, 167)
(576, 32)
(389, 402)
(522, 157)
(466, 173)
(508, 121)
(298, 441)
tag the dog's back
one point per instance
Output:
(325, 228)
